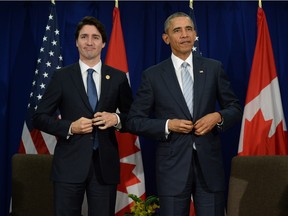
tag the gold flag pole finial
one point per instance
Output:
(260, 3)
(53, 2)
(191, 4)
(116, 3)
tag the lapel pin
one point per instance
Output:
(107, 77)
(201, 71)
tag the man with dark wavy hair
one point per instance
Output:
(87, 94)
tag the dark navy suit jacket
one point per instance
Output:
(160, 98)
(73, 155)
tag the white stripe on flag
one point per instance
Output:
(27, 141)
(50, 141)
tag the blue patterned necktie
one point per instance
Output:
(93, 98)
(91, 89)
(187, 86)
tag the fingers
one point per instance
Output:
(104, 120)
(200, 128)
(82, 126)
(98, 121)
(180, 125)
(205, 124)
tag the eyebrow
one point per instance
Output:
(84, 34)
(177, 28)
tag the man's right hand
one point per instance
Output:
(180, 125)
(82, 126)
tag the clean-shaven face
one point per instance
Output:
(90, 44)
(181, 36)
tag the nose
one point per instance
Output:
(184, 33)
(89, 40)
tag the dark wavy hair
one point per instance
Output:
(89, 20)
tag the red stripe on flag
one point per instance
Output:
(263, 69)
(21, 148)
(116, 52)
(39, 142)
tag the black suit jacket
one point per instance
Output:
(72, 155)
(160, 98)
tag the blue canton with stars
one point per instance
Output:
(196, 47)
(48, 61)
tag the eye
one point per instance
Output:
(189, 28)
(176, 30)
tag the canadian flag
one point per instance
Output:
(263, 130)
(131, 167)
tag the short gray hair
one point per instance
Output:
(177, 14)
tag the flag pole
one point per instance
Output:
(116, 3)
(191, 3)
(260, 3)
(53, 2)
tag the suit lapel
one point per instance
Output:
(200, 74)
(105, 83)
(172, 84)
(78, 82)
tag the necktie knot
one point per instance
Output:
(90, 71)
(185, 65)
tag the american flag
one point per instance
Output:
(196, 47)
(34, 141)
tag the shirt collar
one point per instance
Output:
(178, 62)
(85, 67)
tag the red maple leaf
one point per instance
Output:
(127, 177)
(126, 142)
(127, 147)
(256, 140)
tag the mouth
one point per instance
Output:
(185, 42)
(89, 48)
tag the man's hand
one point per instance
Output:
(82, 126)
(205, 124)
(180, 125)
(104, 120)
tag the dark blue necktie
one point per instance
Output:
(91, 89)
(93, 98)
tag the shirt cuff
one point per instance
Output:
(118, 126)
(220, 124)
(167, 132)
(69, 132)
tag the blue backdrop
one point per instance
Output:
(227, 32)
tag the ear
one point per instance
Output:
(103, 45)
(165, 38)
(76, 43)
